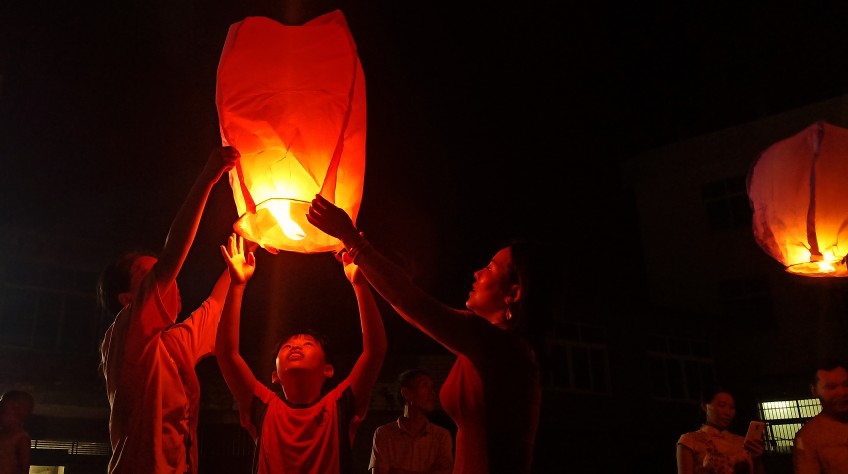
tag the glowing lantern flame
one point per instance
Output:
(291, 99)
(797, 191)
(282, 214)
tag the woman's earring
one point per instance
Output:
(508, 314)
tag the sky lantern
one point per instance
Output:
(798, 190)
(291, 99)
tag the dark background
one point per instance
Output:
(477, 114)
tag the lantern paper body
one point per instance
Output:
(291, 99)
(798, 190)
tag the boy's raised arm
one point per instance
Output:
(365, 372)
(235, 370)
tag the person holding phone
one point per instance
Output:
(713, 449)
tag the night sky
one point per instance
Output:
(483, 124)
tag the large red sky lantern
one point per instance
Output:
(798, 190)
(291, 99)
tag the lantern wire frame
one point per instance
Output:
(280, 224)
(820, 269)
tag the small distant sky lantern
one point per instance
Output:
(798, 190)
(291, 99)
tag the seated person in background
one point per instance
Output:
(412, 444)
(303, 430)
(714, 450)
(821, 445)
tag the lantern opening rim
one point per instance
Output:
(813, 269)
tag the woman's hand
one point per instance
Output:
(755, 446)
(332, 220)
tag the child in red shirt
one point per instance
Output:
(302, 431)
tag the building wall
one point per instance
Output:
(686, 263)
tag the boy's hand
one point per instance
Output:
(241, 266)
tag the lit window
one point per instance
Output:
(783, 419)
(47, 470)
(47, 453)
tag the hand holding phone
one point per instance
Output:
(754, 441)
(755, 430)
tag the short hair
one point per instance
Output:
(116, 278)
(826, 364)
(320, 338)
(23, 399)
(406, 378)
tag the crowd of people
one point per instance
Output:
(492, 395)
(303, 424)
(820, 446)
(149, 354)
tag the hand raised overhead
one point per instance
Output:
(331, 219)
(220, 161)
(241, 265)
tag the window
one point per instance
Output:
(578, 360)
(783, 419)
(51, 456)
(48, 307)
(679, 368)
(726, 203)
(91, 448)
